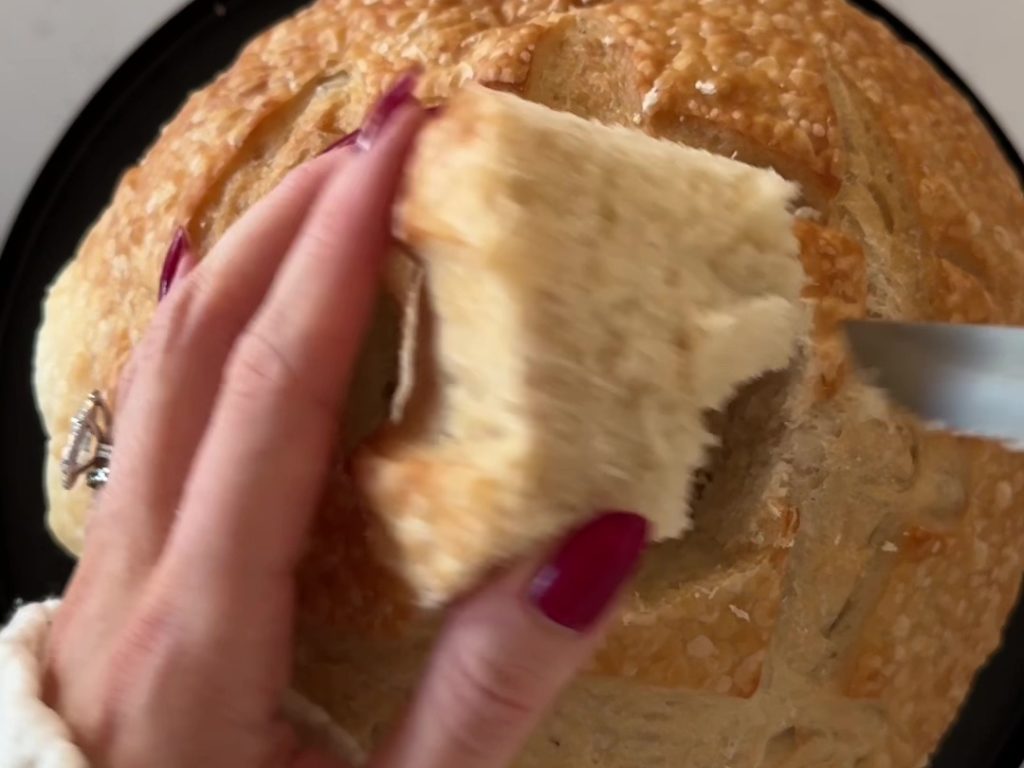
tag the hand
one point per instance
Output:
(173, 645)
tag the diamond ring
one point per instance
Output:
(89, 447)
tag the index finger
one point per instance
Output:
(262, 464)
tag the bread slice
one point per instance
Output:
(587, 293)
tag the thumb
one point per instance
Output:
(508, 650)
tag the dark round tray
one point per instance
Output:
(109, 135)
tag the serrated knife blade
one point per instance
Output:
(967, 379)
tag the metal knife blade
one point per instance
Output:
(967, 379)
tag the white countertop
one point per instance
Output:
(54, 53)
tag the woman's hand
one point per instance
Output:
(173, 645)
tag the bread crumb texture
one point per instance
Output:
(589, 293)
(847, 573)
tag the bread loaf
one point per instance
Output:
(846, 574)
(588, 293)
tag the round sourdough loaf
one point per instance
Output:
(848, 573)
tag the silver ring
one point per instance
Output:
(89, 447)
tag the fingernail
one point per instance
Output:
(576, 586)
(400, 93)
(345, 141)
(180, 247)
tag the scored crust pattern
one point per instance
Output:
(848, 573)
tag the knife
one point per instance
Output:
(967, 379)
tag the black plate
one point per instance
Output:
(108, 136)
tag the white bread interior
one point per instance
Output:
(588, 293)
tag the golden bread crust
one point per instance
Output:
(830, 612)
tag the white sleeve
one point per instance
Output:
(31, 734)
(34, 736)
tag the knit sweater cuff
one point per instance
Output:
(34, 736)
(31, 734)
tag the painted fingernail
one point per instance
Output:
(179, 250)
(401, 93)
(584, 575)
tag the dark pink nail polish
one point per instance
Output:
(180, 246)
(582, 578)
(345, 141)
(399, 94)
